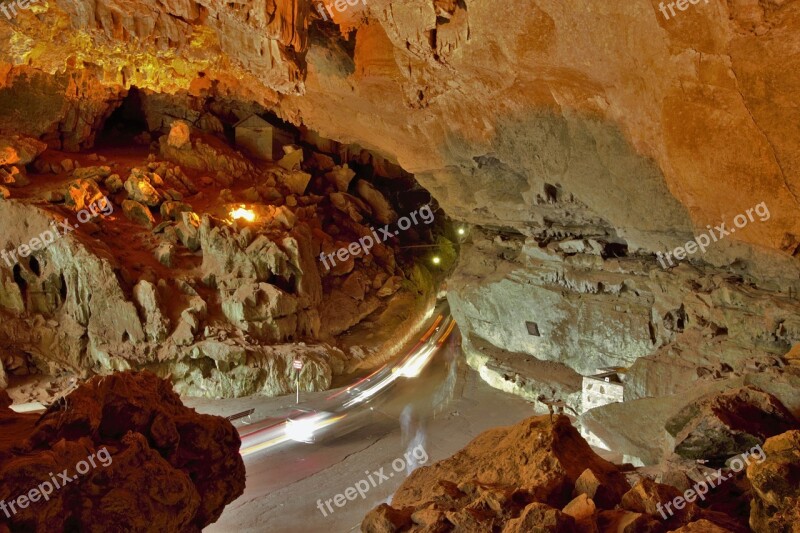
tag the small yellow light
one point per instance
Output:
(436, 260)
(246, 214)
(461, 231)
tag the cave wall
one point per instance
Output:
(592, 134)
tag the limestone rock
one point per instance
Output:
(140, 189)
(208, 154)
(540, 517)
(147, 299)
(296, 181)
(516, 474)
(187, 230)
(583, 510)
(92, 173)
(381, 208)
(55, 197)
(646, 497)
(171, 210)
(138, 213)
(391, 286)
(262, 310)
(350, 205)
(776, 485)
(606, 497)
(3, 376)
(719, 426)
(292, 159)
(14, 176)
(341, 176)
(82, 193)
(5, 194)
(19, 149)
(386, 519)
(165, 253)
(148, 474)
(113, 183)
(179, 134)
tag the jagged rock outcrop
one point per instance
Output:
(137, 458)
(151, 273)
(776, 485)
(717, 427)
(537, 475)
(592, 170)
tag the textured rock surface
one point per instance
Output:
(538, 475)
(164, 278)
(617, 144)
(167, 467)
(776, 485)
(719, 426)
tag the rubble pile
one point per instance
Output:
(204, 268)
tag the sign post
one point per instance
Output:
(298, 366)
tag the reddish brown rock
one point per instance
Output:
(776, 486)
(719, 426)
(156, 465)
(511, 478)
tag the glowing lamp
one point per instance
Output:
(243, 214)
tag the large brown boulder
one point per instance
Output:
(776, 486)
(721, 425)
(509, 477)
(139, 461)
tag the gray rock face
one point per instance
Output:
(620, 309)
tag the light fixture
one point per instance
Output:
(243, 213)
(436, 259)
(461, 231)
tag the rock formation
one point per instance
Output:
(538, 475)
(155, 464)
(579, 149)
(143, 267)
(776, 482)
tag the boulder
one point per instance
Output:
(517, 475)
(381, 209)
(114, 183)
(296, 181)
(541, 518)
(721, 425)
(140, 189)
(776, 485)
(350, 205)
(138, 213)
(14, 176)
(160, 466)
(19, 149)
(179, 134)
(386, 519)
(82, 193)
(341, 176)
(92, 173)
(171, 210)
(156, 324)
(292, 159)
